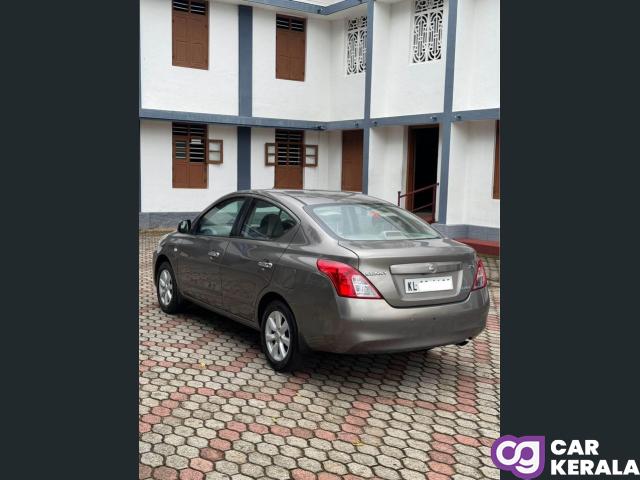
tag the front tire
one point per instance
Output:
(279, 336)
(167, 289)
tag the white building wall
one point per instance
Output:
(477, 66)
(317, 178)
(157, 192)
(165, 87)
(334, 161)
(400, 87)
(294, 100)
(471, 166)
(347, 91)
(387, 162)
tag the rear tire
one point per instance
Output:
(279, 336)
(167, 289)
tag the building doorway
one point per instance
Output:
(352, 160)
(289, 145)
(422, 169)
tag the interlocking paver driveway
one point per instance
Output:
(212, 408)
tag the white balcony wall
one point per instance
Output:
(293, 100)
(400, 87)
(477, 66)
(347, 91)
(165, 87)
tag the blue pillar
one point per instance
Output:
(245, 97)
(244, 158)
(367, 98)
(445, 126)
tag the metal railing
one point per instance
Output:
(411, 194)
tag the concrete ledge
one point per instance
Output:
(147, 220)
(482, 246)
(475, 232)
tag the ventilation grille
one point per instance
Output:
(193, 6)
(290, 23)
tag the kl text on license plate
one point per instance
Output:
(433, 284)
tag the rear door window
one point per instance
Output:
(266, 221)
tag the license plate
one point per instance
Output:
(432, 284)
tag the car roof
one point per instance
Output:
(316, 197)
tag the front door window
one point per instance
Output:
(219, 221)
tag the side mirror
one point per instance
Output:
(184, 226)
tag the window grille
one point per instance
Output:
(289, 147)
(356, 45)
(427, 31)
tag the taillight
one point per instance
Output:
(480, 278)
(348, 281)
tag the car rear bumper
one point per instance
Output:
(374, 326)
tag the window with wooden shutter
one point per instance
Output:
(189, 155)
(290, 47)
(290, 149)
(496, 164)
(191, 33)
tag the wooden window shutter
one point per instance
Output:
(496, 164)
(310, 155)
(269, 154)
(290, 47)
(189, 155)
(190, 33)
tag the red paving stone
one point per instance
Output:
(299, 474)
(165, 473)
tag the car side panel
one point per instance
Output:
(242, 276)
(309, 293)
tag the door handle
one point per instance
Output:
(213, 254)
(265, 264)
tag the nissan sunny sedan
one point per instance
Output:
(329, 271)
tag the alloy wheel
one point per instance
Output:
(165, 287)
(277, 335)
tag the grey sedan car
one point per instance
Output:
(320, 270)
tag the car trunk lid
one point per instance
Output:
(412, 273)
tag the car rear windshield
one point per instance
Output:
(368, 221)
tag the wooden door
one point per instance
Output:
(352, 160)
(289, 154)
